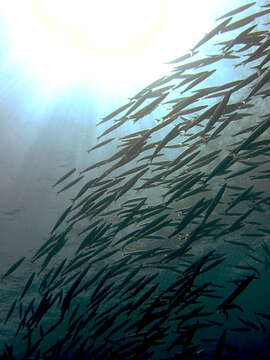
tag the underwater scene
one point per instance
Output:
(157, 242)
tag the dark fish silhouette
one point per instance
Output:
(238, 10)
(225, 305)
(13, 267)
(101, 144)
(70, 184)
(64, 177)
(212, 33)
(28, 284)
(61, 218)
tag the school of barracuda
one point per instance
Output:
(136, 286)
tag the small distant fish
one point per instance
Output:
(259, 130)
(171, 135)
(70, 184)
(96, 165)
(214, 203)
(64, 177)
(13, 267)
(61, 218)
(244, 21)
(239, 243)
(212, 33)
(263, 315)
(241, 172)
(239, 198)
(116, 112)
(68, 297)
(218, 112)
(28, 284)
(117, 124)
(11, 310)
(239, 289)
(11, 212)
(222, 166)
(259, 84)
(55, 249)
(238, 10)
(100, 144)
(249, 323)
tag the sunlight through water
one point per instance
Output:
(103, 45)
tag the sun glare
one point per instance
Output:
(106, 27)
(59, 43)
